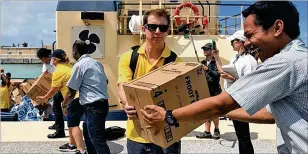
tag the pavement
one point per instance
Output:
(31, 137)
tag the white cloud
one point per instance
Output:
(27, 21)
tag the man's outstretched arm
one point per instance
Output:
(206, 109)
(261, 117)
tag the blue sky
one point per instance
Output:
(300, 5)
(33, 21)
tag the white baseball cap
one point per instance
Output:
(237, 35)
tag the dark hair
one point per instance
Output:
(157, 13)
(81, 47)
(267, 12)
(8, 75)
(61, 55)
(43, 52)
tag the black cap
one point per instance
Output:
(207, 45)
(59, 53)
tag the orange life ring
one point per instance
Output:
(180, 7)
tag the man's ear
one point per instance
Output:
(143, 29)
(278, 27)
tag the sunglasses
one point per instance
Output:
(206, 48)
(153, 27)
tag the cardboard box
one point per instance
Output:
(172, 86)
(17, 99)
(16, 82)
(25, 87)
(41, 86)
(15, 92)
(30, 81)
(18, 91)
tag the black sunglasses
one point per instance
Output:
(206, 48)
(153, 27)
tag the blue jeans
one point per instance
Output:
(94, 127)
(150, 148)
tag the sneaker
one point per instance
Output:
(78, 152)
(52, 126)
(216, 135)
(57, 134)
(205, 134)
(67, 148)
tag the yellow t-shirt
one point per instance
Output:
(143, 67)
(60, 77)
(4, 97)
(10, 89)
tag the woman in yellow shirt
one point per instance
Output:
(60, 77)
(4, 93)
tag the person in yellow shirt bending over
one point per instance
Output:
(60, 77)
(4, 93)
(152, 54)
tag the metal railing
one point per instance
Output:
(33, 56)
(224, 25)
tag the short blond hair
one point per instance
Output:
(157, 13)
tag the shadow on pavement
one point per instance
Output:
(192, 134)
(115, 148)
(231, 136)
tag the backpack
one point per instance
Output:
(114, 133)
(135, 55)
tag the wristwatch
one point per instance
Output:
(170, 119)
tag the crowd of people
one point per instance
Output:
(274, 91)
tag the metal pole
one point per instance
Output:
(192, 41)
(235, 23)
(242, 20)
(171, 21)
(140, 27)
(226, 27)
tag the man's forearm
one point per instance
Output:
(67, 100)
(262, 116)
(207, 108)
(69, 97)
(51, 92)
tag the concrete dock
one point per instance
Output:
(31, 137)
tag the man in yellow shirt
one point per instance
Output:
(151, 55)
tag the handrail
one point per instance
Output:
(177, 3)
(225, 26)
(230, 17)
